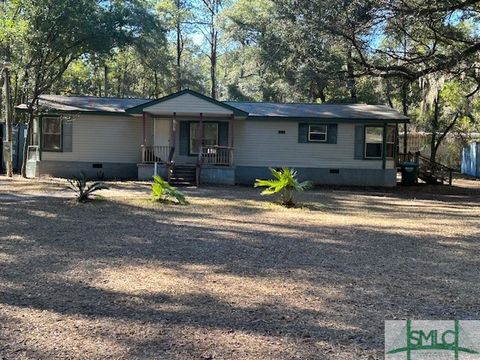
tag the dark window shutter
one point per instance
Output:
(359, 141)
(332, 133)
(222, 134)
(184, 137)
(302, 133)
(67, 135)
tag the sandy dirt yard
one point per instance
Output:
(231, 276)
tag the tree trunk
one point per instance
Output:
(105, 80)
(179, 48)
(321, 95)
(435, 125)
(351, 77)
(213, 61)
(155, 74)
(405, 112)
(445, 133)
(8, 121)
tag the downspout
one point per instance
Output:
(396, 158)
(384, 145)
(201, 130)
(144, 140)
(200, 152)
(232, 142)
(173, 130)
(173, 140)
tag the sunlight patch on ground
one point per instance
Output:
(42, 214)
(17, 238)
(51, 332)
(232, 276)
(189, 280)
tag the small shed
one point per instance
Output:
(471, 159)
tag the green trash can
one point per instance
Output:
(409, 173)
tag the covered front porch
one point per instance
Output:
(187, 141)
(188, 136)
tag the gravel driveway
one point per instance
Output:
(230, 276)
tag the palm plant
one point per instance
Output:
(83, 188)
(285, 184)
(164, 192)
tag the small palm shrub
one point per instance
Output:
(285, 184)
(84, 189)
(162, 191)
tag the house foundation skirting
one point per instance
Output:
(222, 175)
(228, 175)
(146, 171)
(246, 175)
(92, 170)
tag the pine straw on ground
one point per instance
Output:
(231, 276)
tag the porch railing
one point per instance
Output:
(216, 155)
(33, 153)
(432, 171)
(157, 154)
(429, 171)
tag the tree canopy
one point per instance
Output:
(421, 57)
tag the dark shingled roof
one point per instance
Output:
(87, 103)
(322, 111)
(254, 109)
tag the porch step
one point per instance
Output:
(184, 176)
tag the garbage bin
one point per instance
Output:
(409, 173)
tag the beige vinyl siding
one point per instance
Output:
(187, 104)
(103, 139)
(258, 143)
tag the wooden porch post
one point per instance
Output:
(231, 140)
(144, 140)
(230, 131)
(173, 130)
(200, 133)
(384, 147)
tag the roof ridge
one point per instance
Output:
(300, 103)
(97, 97)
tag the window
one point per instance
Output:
(391, 130)
(373, 142)
(210, 136)
(52, 134)
(317, 133)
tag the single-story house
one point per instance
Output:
(218, 141)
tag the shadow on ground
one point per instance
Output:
(337, 279)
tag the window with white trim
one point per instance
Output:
(317, 133)
(373, 142)
(391, 133)
(210, 136)
(51, 134)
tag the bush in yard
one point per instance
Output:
(285, 184)
(162, 191)
(83, 188)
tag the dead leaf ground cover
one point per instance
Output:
(231, 276)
